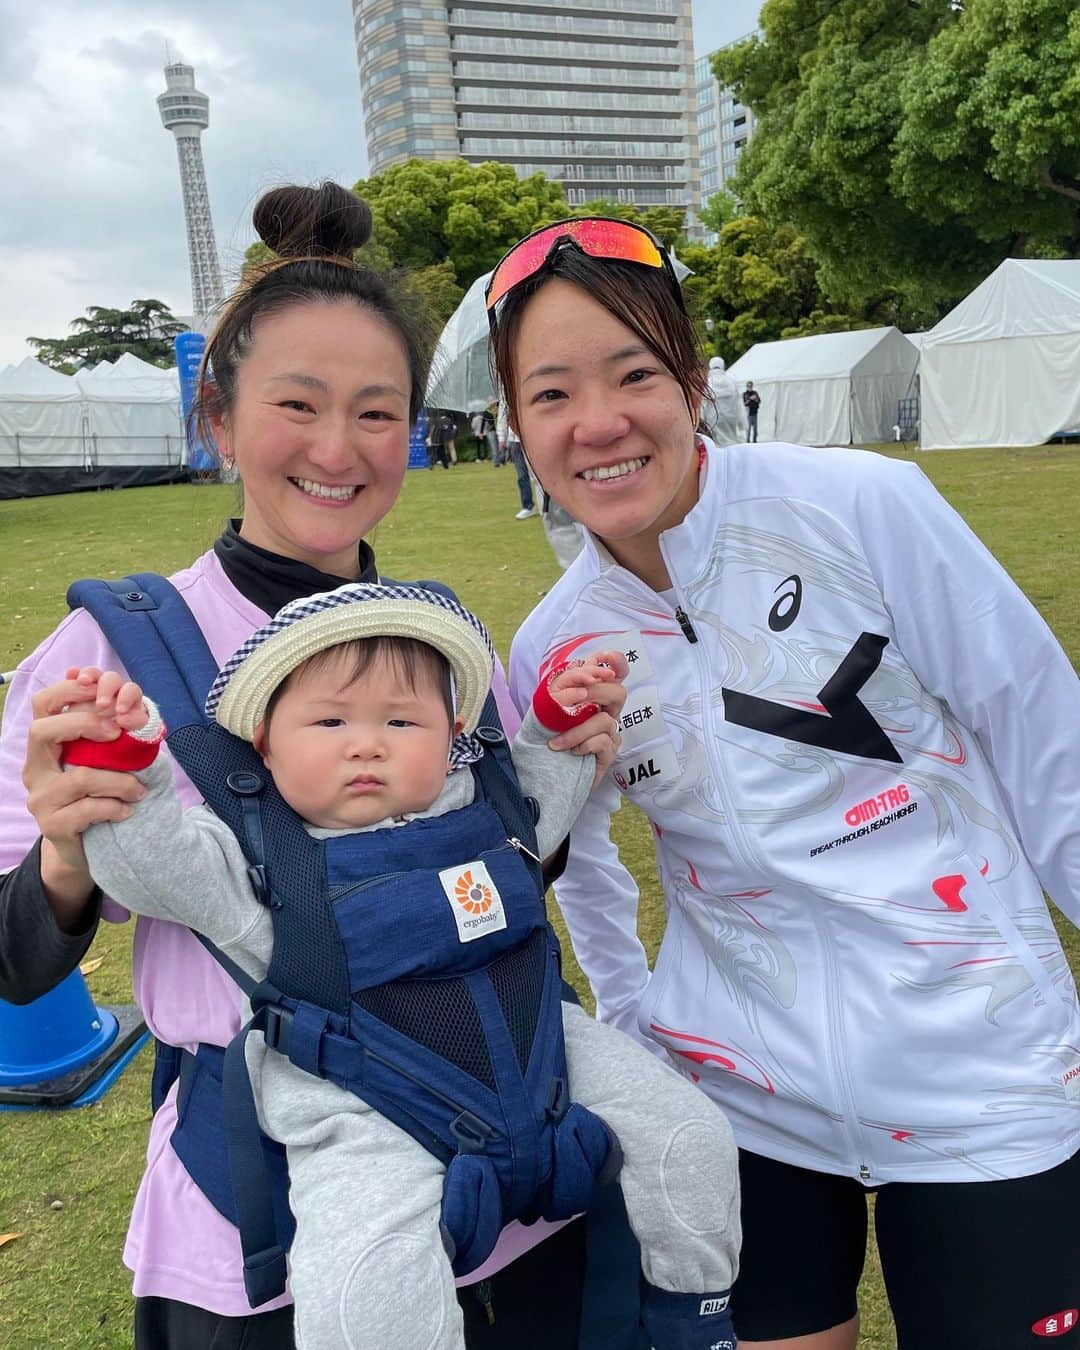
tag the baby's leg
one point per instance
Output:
(367, 1267)
(680, 1177)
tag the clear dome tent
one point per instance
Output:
(1003, 367)
(111, 426)
(831, 388)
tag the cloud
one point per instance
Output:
(96, 214)
(92, 212)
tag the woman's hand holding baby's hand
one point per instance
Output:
(597, 680)
(86, 704)
(118, 703)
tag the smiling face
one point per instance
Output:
(319, 429)
(346, 752)
(605, 425)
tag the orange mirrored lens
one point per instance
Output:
(599, 238)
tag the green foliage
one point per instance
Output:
(718, 210)
(990, 136)
(145, 329)
(426, 213)
(758, 284)
(913, 146)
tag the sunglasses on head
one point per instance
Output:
(598, 236)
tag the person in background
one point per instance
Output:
(510, 448)
(721, 410)
(751, 402)
(482, 425)
(440, 439)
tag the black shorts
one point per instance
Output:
(980, 1265)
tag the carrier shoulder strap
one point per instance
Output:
(155, 635)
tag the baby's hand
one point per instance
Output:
(118, 703)
(125, 730)
(595, 684)
(577, 687)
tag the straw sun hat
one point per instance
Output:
(239, 695)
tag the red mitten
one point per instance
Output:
(550, 713)
(129, 752)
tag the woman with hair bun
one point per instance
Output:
(317, 376)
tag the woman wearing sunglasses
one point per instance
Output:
(856, 743)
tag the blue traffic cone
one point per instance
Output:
(55, 1050)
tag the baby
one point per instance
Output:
(360, 703)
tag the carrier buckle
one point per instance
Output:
(257, 877)
(470, 1132)
(558, 1100)
(278, 1028)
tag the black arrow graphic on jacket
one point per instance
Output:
(849, 727)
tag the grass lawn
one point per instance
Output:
(62, 1285)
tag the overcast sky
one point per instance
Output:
(91, 211)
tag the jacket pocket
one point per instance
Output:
(972, 889)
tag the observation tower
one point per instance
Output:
(186, 113)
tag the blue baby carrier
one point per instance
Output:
(371, 984)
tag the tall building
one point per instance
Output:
(186, 113)
(597, 94)
(724, 126)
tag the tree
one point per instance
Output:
(990, 135)
(145, 329)
(718, 210)
(426, 213)
(913, 145)
(758, 284)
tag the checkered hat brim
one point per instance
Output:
(242, 690)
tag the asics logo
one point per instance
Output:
(786, 610)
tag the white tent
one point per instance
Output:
(113, 425)
(134, 413)
(1003, 367)
(832, 388)
(41, 418)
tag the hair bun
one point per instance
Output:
(323, 221)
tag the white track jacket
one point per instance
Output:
(859, 748)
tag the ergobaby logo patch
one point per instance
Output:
(711, 1306)
(474, 899)
(657, 766)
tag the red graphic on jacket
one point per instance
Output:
(1057, 1324)
(947, 889)
(686, 1046)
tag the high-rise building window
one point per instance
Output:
(572, 91)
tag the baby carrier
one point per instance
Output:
(432, 992)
